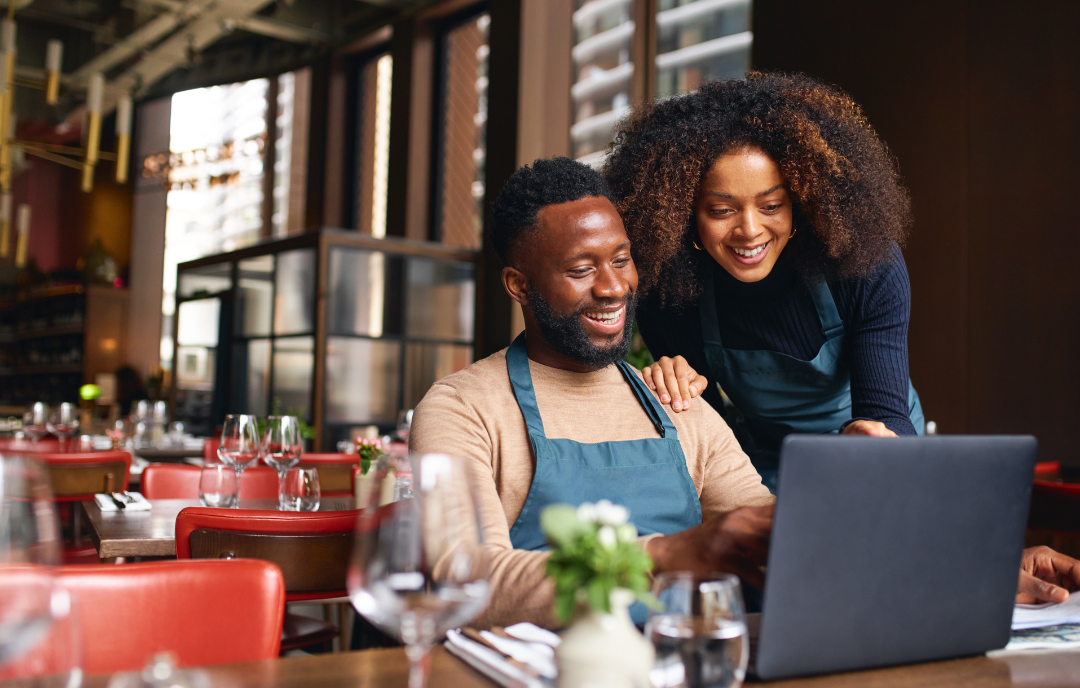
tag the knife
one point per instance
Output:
(117, 502)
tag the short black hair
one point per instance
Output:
(549, 181)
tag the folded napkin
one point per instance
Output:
(527, 658)
(133, 501)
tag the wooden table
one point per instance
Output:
(389, 669)
(151, 533)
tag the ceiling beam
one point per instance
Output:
(280, 30)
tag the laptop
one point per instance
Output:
(894, 551)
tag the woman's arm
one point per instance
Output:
(877, 314)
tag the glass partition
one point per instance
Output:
(394, 317)
(208, 279)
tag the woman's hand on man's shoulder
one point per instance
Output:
(674, 381)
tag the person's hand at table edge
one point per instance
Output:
(734, 542)
(1046, 576)
(872, 428)
(674, 381)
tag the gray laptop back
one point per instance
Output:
(892, 551)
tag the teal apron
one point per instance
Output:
(649, 476)
(776, 394)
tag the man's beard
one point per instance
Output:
(566, 334)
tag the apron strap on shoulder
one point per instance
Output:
(827, 312)
(517, 365)
(653, 409)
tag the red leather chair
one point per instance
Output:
(311, 548)
(209, 450)
(202, 612)
(77, 477)
(335, 472)
(181, 481)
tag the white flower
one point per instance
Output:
(587, 513)
(607, 537)
(627, 532)
(612, 514)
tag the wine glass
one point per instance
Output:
(699, 631)
(404, 424)
(29, 548)
(239, 446)
(418, 566)
(281, 448)
(63, 421)
(36, 421)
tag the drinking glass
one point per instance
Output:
(239, 446)
(56, 659)
(36, 421)
(63, 421)
(281, 449)
(404, 424)
(418, 567)
(300, 490)
(116, 434)
(29, 548)
(219, 486)
(699, 631)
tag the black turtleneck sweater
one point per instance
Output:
(778, 314)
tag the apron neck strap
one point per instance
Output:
(653, 409)
(827, 312)
(517, 364)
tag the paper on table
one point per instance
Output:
(489, 662)
(1047, 614)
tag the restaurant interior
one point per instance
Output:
(240, 240)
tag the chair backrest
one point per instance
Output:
(181, 481)
(79, 476)
(311, 548)
(202, 612)
(1055, 506)
(335, 472)
(209, 450)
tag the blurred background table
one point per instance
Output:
(389, 669)
(151, 533)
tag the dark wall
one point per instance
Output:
(980, 102)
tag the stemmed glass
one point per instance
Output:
(63, 421)
(29, 548)
(418, 566)
(281, 448)
(36, 421)
(239, 443)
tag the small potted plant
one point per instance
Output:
(599, 570)
(368, 452)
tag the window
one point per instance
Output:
(695, 41)
(603, 72)
(698, 41)
(220, 198)
(461, 125)
(372, 148)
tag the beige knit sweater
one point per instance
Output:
(473, 414)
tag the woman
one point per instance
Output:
(766, 217)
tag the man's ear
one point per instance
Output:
(516, 285)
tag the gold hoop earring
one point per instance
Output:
(793, 230)
(696, 246)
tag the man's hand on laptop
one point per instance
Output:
(1046, 576)
(734, 542)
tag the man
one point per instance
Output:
(558, 417)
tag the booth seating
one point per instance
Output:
(181, 481)
(203, 612)
(311, 548)
(77, 477)
(335, 472)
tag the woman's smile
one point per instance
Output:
(751, 255)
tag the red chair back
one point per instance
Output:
(202, 612)
(77, 477)
(181, 481)
(312, 548)
(209, 450)
(335, 472)
(1055, 507)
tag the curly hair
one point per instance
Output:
(529, 189)
(849, 202)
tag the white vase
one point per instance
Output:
(605, 650)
